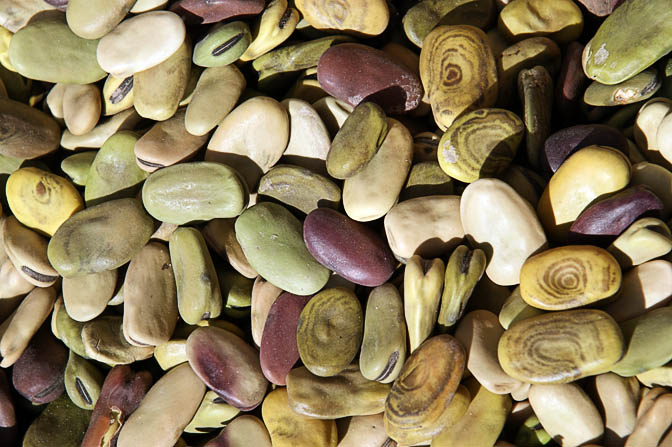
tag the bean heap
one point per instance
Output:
(335, 223)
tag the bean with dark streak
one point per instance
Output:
(384, 341)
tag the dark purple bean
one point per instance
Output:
(563, 143)
(348, 248)
(601, 7)
(228, 366)
(354, 73)
(571, 82)
(211, 11)
(60, 4)
(611, 216)
(38, 374)
(278, 351)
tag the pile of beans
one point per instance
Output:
(335, 223)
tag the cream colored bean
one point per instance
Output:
(653, 426)
(86, 296)
(645, 287)
(141, 42)
(92, 19)
(495, 215)
(479, 331)
(365, 431)
(619, 397)
(428, 226)
(308, 137)
(24, 323)
(81, 108)
(240, 143)
(566, 413)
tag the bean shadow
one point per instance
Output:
(392, 99)
(246, 167)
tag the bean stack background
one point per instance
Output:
(335, 223)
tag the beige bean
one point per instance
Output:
(566, 413)
(243, 431)
(15, 15)
(28, 252)
(167, 143)
(81, 108)
(647, 286)
(239, 142)
(24, 323)
(165, 410)
(658, 179)
(365, 431)
(124, 120)
(427, 226)
(12, 283)
(150, 297)
(653, 426)
(619, 397)
(491, 212)
(55, 100)
(86, 296)
(92, 19)
(309, 140)
(480, 331)
(141, 42)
